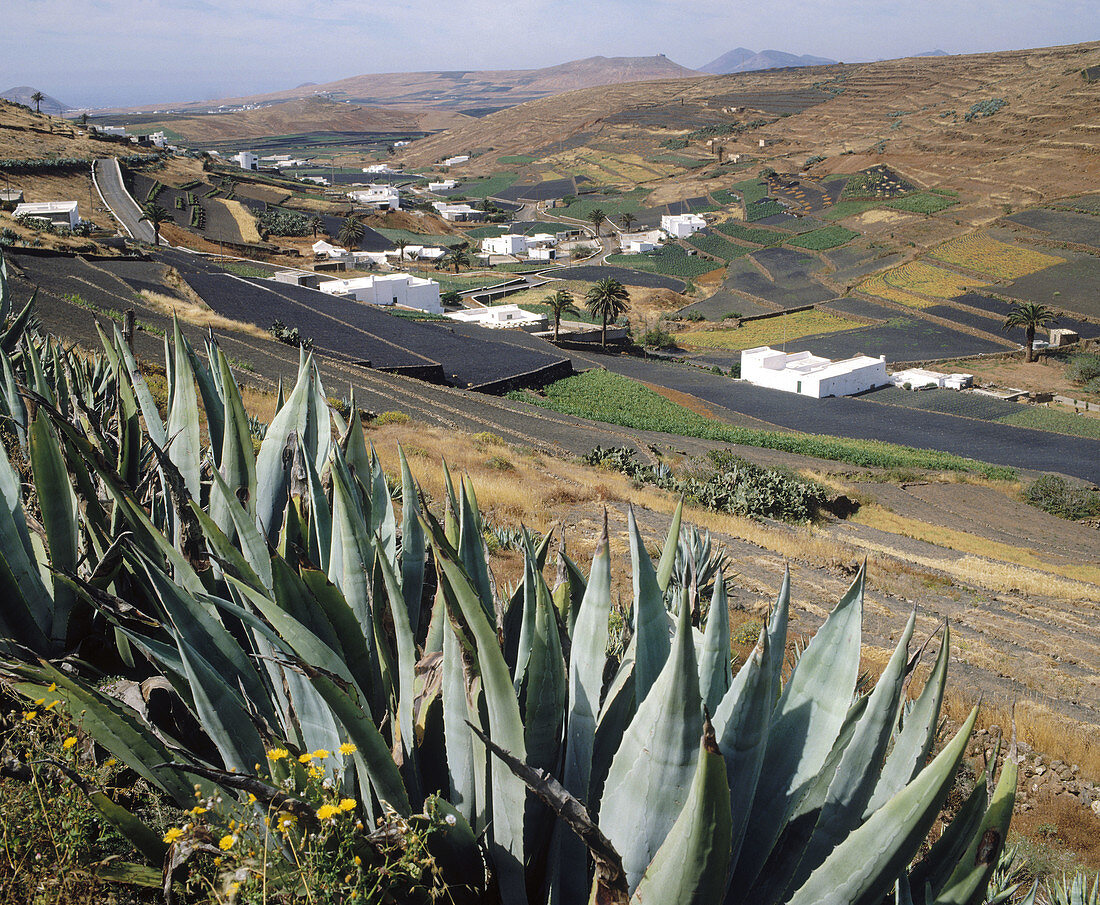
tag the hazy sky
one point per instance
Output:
(95, 52)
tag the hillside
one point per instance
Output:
(915, 114)
(463, 90)
(307, 114)
(24, 133)
(24, 95)
(744, 60)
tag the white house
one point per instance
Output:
(110, 130)
(455, 161)
(542, 240)
(401, 144)
(639, 243)
(543, 253)
(501, 317)
(381, 197)
(920, 379)
(444, 186)
(457, 213)
(508, 244)
(400, 289)
(418, 253)
(328, 250)
(680, 226)
(59, 213)
(247, 160)
(159, 139)
(812, 375)
(378, 168)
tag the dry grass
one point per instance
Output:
(246, 224)
(884, 519)
(199, 314)
(765, 332)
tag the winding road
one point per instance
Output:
(108, 179)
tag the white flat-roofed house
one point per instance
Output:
(811, 375)
(680, 226)
(508, 244)
(457, 213)
(418, 253)
(328, 250)
(542, 240)
(247, 160)
(110, 130)
(378, 168)
(456, 160)
(381, 197)
(542, 253)
(501, 317)
(401, 289)
(443, 186)
(59, 213)
(641, 242)
(920, 379)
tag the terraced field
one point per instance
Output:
(718, 246)
(670, 260)
(922, 203)
(1062, 225)
(1073, 286)
(750, 233)
(983, 254)
(773, 330)
(825, 238)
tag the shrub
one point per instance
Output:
(1083, 367)
(289, 335)
(391, 418)
(658, 338)
(1057, 496)
(278, 222)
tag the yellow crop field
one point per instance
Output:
(984, 254)
(926, 279)
(601, 166)
(772, 331)
(877, 286)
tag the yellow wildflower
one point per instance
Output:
(111, 762)
(305, 758)
(226, 843)
(69, 742)
(53, 687)
(277, 753)
(52, 705)
(348, 748)
(316, 772)
(39, 702)
(358, 860)
(320, 754)
(173, 834)
(325, 811)
(347, 804)
(285, 822)
(233, 887)
(251, 798)
(29, 715)
(197, 809)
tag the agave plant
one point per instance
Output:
(291, 607)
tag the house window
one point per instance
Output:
(395, 299)
(798, 388)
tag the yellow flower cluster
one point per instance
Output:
(173, 834)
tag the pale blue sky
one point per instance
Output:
(93, 52)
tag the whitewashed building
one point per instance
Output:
(542, 253)
(456, 160)
(378, 168)
(457, 213)
(680, 226)
(508, 244)
(328, 250)
(59, 213)
(811, 375)
(920, 379)
(110, 130)
(418, 253)
(381, 197)
(247, 160)
(501, 317)
(401, 289)
(444, 185)
(640, 243)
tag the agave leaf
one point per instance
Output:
(471, 549)
(5, 293)
(183, 418)
(504, 723)
(351, 560)
(10, 337)
(544, 686)
(914, 742)
(252, 543)
(650, 617)
(716, 661)
(236, 463)
(856, 774)
(668, 553)
(460, 758)
(212, 402)
(383, 523)
(413, 544)
(863, 868)
(652, 771)
(807, 719)
(968, 883)
(933, 870)
(13, 404)
(60, 517)
(320, 518)
(691, 865)
(272, 465)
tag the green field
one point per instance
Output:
(603, 396)
(825, 238)
(1052, 420)
(670, 260)
(411, 238)
(922, 203)
(843, 209)
(498, 182)
(750, 233)
(516, 159)
(719, 247)
(751, 190)
(614, 207)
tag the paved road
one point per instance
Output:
(123, 206)
(862, 417)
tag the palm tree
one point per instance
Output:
(459, 256)
(315, 223)
(626, 221)
(607, 300)
(402, 244)
(559, 303)
(156, 215)
(351, 233)
(38, 97)
(596, 217)
(1030, 316)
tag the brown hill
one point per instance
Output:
(310, 114)
(24, 133)
(913, 113)
(463, 89)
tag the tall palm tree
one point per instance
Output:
(626, 221)
(38, 97)
(1030, 316)
(402, 244)
(315, 223)
(156, 215)
(607, 300)
(596, 217)
(459, 256)
(559, 303)
(351, 233)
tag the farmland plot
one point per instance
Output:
(717, 246)
(670, 260)
(790, 292)
(900, 339)
(854, 262)
(984, 254)
(773, 330)
(927, 279)
(824, 238)
(1064, 226)
(922, 203)
(750, 234)
(974, 319)
(1073, 286)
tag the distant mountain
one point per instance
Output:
(22, 95)
(744, 60)
(472, 91)
(933, 53)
